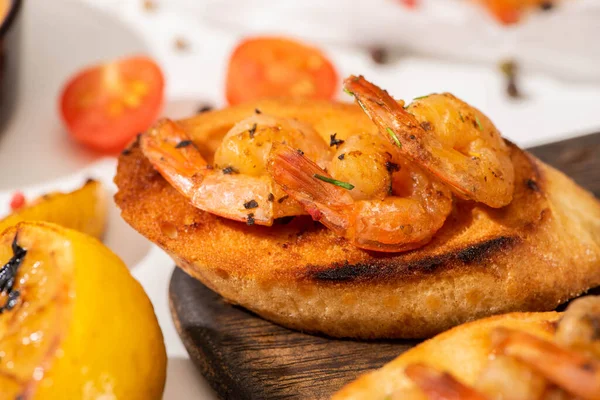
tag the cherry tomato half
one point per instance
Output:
(269, 67)
(17, 201)
(505, 12)
(105, 106)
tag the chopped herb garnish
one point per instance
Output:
(183, 143)
(181, 44)
(250, 219)
(379, 55)
(360, 103)
(257, 111)
(284, 198)
(392, 167)
(252, 131)
(229, 170)
(335, 142)
(8, 275)
(271, 197)
(512, 90)
(421, 97)
(204, 108)
(479, 123)
(426, 125)
(393, 136)
(341, 184)
(346, 90)
(250, 204)
(509, 70)
(341, 156)
(300, 152)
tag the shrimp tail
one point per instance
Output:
(575, 372)
(392, 121)
(174, 155)
(437, 385)
(298, 176)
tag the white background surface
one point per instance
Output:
(62, 36)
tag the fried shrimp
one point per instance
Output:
(452, 140)
(386, 204)
(236, 187)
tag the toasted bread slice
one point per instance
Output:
(462, 351)
(532, 255)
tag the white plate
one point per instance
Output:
(60, 37)
(561, 41)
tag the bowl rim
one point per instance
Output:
(5, 25)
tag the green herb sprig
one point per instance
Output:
(393, 136)
(345, 185)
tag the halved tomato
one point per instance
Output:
(270, 66)
(505, 12)
(106, 105)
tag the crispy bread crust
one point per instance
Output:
(532, 255)
(462, 351)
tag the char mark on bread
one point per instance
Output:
(478, 254)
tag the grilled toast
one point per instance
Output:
(532, 255)
(462, 351)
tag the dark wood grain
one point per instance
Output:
(246, 357)
(579, 158)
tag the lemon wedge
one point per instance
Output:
(84, 209)
(74, 323)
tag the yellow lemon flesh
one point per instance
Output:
(84, 209)
(74, 324)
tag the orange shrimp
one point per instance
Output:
(579, 328)
(452, 140)
(574, 372)
(398, 208)
(437, 385)
(237, 186)
(506, 378)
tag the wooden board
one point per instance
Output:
(246, 357)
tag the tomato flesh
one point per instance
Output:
(273, 67)
(17, 201)
(105, 106)
(409, 3)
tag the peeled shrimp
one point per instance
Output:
(387, 205)
(579, 328)
(437, 385)
(574, 372)
(236, 186)
(452, 140)
(506, 378)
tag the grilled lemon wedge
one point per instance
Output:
(84, 209)
(74, 323)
